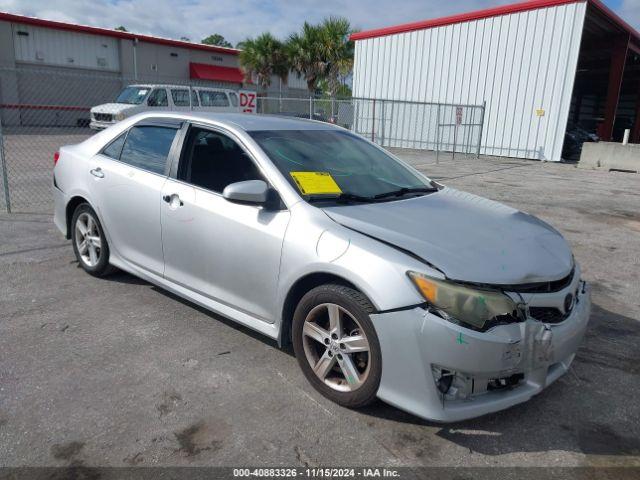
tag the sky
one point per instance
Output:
(239, 19)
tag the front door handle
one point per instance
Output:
(97, 172)
(173, 199)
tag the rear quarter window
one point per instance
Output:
(114, 148)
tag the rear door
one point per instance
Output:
(129, 175)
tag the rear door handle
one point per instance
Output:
(97, 172)
(175, 197)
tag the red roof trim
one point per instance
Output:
(487, 13)
(10, 17)
(205, 71)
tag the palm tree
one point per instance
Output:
(337, 52)
(262, 58)
(304, 54)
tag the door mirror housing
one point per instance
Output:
(249, 191)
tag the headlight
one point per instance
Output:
(459, 303)
(118, 116)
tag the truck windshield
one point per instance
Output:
(133, 95)
(334, 163)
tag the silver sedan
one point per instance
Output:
(388, 284)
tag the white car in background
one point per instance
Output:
(139, 98)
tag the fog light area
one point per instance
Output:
(455, 385)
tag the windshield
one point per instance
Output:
(325, 164)
(133, 95)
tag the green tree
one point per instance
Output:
(303, 50)
(121, 28)
(216, 39)
(263, 57)
(344, 90)
(336, 51)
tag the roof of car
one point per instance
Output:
(247, 121)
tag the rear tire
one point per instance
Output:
(336, 344)
(89, 241)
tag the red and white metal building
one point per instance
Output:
(539, 66)
(35, 42)
(46, 64)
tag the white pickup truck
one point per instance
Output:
(139, 98)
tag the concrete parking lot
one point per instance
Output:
(118, 372)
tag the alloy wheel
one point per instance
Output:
(88, 240)
(336, 347)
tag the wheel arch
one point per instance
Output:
(72, 204)
(299, 288)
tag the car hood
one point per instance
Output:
(113, 108)
(468, 238)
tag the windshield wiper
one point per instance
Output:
(343, 197)
(405, 191)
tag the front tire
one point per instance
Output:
(336, 344)
(89, 241)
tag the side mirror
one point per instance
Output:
(249, 191)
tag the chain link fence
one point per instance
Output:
(443, 128)
(42, 109)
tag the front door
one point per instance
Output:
(226, 251)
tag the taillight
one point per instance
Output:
(56, 157)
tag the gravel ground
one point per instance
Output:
(118, 372)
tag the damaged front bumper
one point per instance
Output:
(483, 371)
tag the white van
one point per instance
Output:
(139, 98)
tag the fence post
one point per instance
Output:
(484, 106)
(356, 113)
(310, 107)
(438, 135)
(382, 117)
(373, 122)
(5, 173)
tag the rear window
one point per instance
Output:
(210, 98)
(234, 99)
(147, 147)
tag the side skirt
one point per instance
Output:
(268, 329)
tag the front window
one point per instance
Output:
(327, 164)
(133, 95)
(158, 98)
(212, 161)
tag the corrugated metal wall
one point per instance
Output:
(47, 46)
(522, 64)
